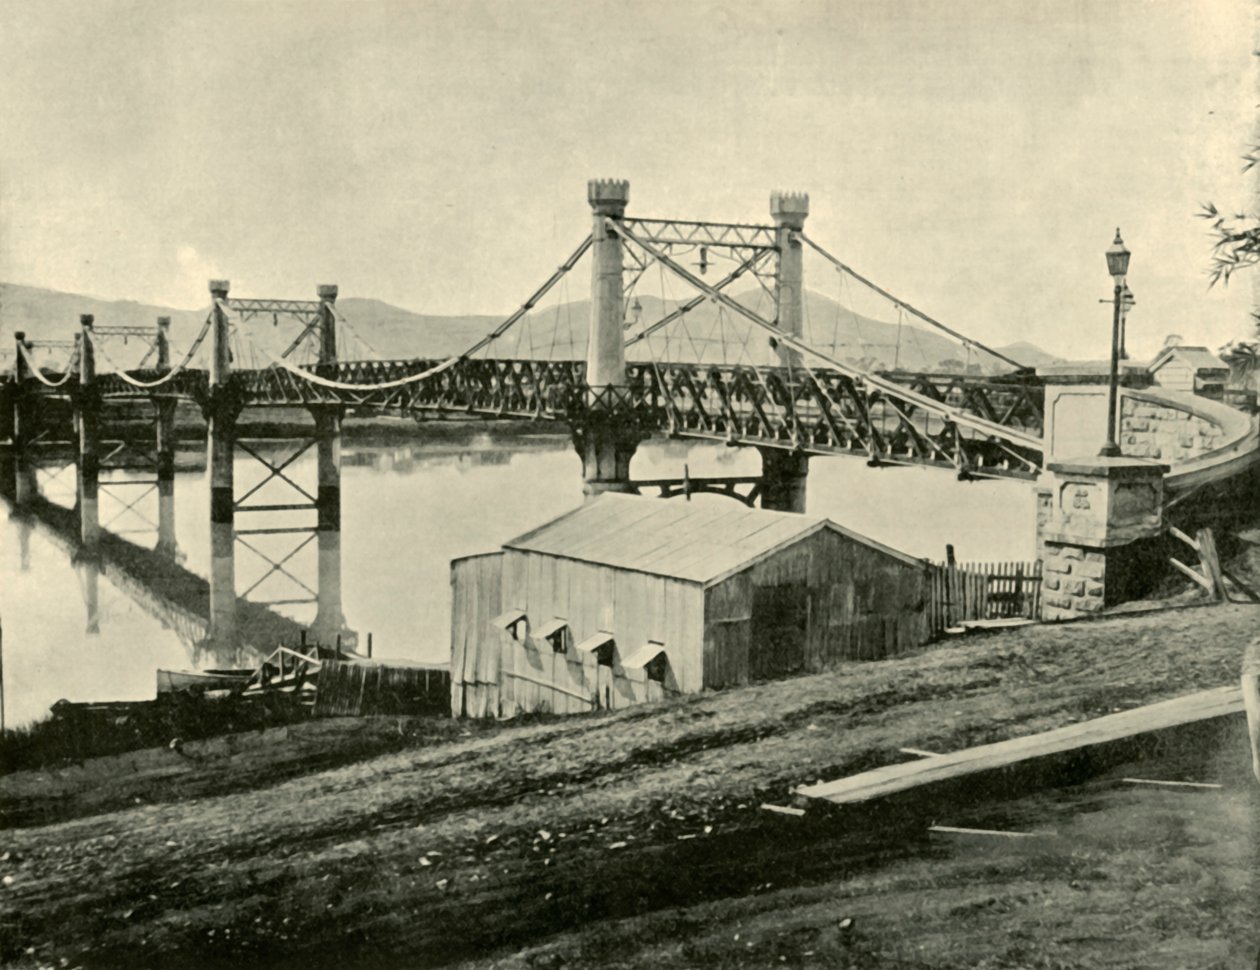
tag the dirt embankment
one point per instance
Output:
(485, 843)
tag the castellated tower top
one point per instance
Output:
(608, 197)
(789, 208)
(327, 292)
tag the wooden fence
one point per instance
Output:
(374, 687)
(984, 591)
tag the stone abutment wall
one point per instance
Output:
(1150, 429)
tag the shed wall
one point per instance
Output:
(476, 599)
(495, 674)
(859, 603)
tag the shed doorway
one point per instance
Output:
(780, 619)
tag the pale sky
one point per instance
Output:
(973, 156)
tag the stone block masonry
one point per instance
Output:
(1072, 581)
(1149, 430)
(1098, 529)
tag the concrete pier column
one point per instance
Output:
(784, 475)
(222, 416)
(606, 442)
(20, 416)
(25, 528)
(789, 209)
(25, 485)
(91, 572)
(25, 482)
(87, 414)
(606, 351)
(606, 450)
(329, 619)
(165, 446)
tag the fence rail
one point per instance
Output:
(984, 591)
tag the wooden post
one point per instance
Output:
(952, 607)
(1211, 563)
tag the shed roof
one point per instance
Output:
(697, 542)
(1200, 358)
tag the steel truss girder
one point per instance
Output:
(124, 331)
(303, 309)
(670, 232)
(818, 411)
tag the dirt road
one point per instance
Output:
(636, 836)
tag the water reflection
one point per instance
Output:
(407, 510)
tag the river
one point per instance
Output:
(407, 510)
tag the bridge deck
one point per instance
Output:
(1087, 740)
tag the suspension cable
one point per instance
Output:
(38, 374)
(485, 341)
(889, 387)
(99, 346)
(901, 303)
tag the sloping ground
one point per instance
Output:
(509, 836)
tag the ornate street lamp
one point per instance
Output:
(1117, 266)
(1126, 304)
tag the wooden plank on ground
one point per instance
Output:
(1210, 562)
(974, 762)
(1163, 783)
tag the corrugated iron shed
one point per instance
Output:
(696, 542)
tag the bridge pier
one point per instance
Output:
(329, 621)
(222, 412)
(789, 209)
(165, 446)
(606, 450)
(25, 484)
(20, 428)
(91, 572)
(87, 418)
(784, 475)
(608, 437)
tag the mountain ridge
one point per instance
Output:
(375, 328)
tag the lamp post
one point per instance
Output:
(1126, 304)
(1117, 266)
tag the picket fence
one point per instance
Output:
(984, 591)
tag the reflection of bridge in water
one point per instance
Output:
(151, 577)
(754, 381)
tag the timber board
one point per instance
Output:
(970, 763)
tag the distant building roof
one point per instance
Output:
(1199, 358)
(698, 542)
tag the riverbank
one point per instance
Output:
(635, 838)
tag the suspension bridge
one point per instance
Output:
(732, 358)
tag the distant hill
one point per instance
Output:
(375, 329)
(1028, 354)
